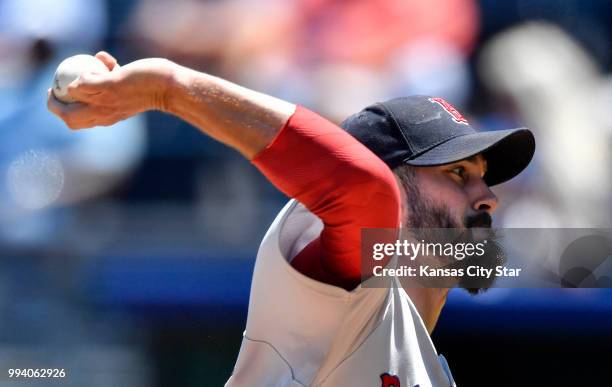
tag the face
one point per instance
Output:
(450, 196)
(458, 189)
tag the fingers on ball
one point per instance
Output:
(54, 105)
(78, 115)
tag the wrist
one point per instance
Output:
(164, 85)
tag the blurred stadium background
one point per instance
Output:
(126, 252)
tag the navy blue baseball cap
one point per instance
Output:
(428, 131)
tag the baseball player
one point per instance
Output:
(412, 161)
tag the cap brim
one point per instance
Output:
(507, 152)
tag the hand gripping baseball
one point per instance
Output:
(106, 98)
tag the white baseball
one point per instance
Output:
(70, 69)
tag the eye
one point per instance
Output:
(459, 171)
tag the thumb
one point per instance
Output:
(109, 61)
(89, 85)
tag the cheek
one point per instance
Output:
(442, 190)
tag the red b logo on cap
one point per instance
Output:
(457, 117)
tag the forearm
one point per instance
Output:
(238, 117)
(234, 115)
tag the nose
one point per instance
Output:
(485, 199)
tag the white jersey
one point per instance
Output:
(301, 332)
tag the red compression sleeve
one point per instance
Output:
(338, 179)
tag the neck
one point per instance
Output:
(429, 304)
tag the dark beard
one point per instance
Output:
(493, 256)
(426, 219)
